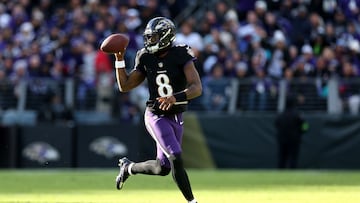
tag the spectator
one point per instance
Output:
(349, 93)
(5, 92)
(241, 69)
(328, 8)
(316, 25)
(352, 31)
(279, 56)
(211, 20)
(330, 35)
(139, 96)
(86, 72)
(259, 92)
(260, 9)
(26, 35)
(232, 21)
(323, 73)
(212, 42)
(189, 36)
(354, 54)
(58, 110)
(20, 72)
(258, 56)
(331, 62)
(293, 54)
(339, 22)
(57, 70)
(243, 7)
(318, 43)
(132, 21)
(215, 96)
(304, 66)
(34, 66)
(129, 111)
(351, 8)
(286, 9)
(288, 75)
(301, 27)
(7, 66)
(231, 63)
(225, 35)
(247, 31)
(271, 24)
(321, 69)
(5, 18)
(220, 11)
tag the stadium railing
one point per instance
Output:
(259, 96)
(37, 97)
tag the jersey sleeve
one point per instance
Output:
(139, 64)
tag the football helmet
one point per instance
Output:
(159, 34)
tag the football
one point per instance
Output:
(114, 43)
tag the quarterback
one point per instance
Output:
(172, 81)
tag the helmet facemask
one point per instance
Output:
(151, 42)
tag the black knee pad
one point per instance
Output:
(161, 170)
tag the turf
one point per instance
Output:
(210, 186)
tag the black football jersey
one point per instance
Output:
(165, 75)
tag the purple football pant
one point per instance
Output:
(167, 131)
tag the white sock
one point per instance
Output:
(129, 169)
(193, 201)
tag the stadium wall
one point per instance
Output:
(210, 141)
(249, 141)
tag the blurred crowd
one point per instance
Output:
(263, 41)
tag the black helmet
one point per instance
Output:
(159, 34)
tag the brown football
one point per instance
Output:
(114, 43)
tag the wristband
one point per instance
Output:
(120, 64)
(180, 96)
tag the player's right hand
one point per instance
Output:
(120, 55)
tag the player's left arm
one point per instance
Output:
(193, 90)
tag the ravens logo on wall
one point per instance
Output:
(41, 152)
(108, 146)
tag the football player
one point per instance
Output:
(172, 81)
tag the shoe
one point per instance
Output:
(123, 175)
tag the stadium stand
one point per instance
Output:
(265, 48)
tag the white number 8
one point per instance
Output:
(164, 89)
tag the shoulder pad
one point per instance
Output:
(140, 52)
(182, 46)
(187, 48)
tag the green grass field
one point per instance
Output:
(210, 186)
